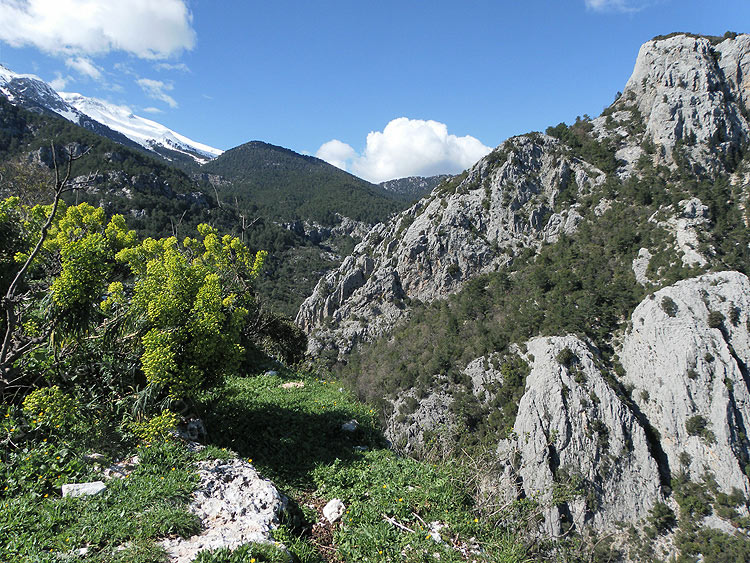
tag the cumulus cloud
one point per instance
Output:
(144, 28)
(157, 90)
(84, 66)
(617, 5)
(337, 153)
(406, 147)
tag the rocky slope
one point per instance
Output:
(686, 105)
(685, 414)
(686, 358)
(685, 91)
(643, 423)
(469, 225)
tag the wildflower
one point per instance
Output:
(385, 486)
(400, 500)
(476, 519)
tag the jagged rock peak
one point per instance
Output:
(692, 89)
(469, 225)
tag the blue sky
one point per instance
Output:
(302, 74)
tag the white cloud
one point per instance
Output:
(152, 110)
(181, 67)
(157, 90)
(59, 82)
(144, 28)
(337, 153)
(84, 66)
(617, 5)
(406, 147)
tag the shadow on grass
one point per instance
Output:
(284, 443)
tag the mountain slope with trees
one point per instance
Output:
(564, 235)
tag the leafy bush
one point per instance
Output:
(566, 357)
(715, 319)
(158, 427)
(193, 301)
(698, 426)
(668, 306)
(51, 407)
(661, 517)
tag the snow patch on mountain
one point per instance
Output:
(145, 132)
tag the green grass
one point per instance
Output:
(293, 436)
(288, 432)
(150, 503)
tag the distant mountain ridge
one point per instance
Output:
(289, 186)
(108, 120)
(145, 132)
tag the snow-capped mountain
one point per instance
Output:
(145, 132)
(112, 121)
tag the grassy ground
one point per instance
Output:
(293, 436)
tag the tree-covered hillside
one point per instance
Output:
(277, 182)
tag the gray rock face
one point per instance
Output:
(689, 370)
(83, 489)
(317, 233)
(640, 266)
(235, 506)
(416, 416)
(407, 428)
(465, 228)
(572, 429)
(689, 90)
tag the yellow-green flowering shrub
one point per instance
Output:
(50, 406)
(193, 300)
(87, 245)
(158, 427)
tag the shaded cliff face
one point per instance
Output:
(469, 225)
(684, 107)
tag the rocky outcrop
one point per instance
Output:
(415, 417)
(685, 363)
(574, 433)
(235, 505)
(684, 89)
(469, 225)
(686, 357)
(317, 233)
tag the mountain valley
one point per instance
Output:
(566, 324)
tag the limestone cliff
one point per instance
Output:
(469, 225)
